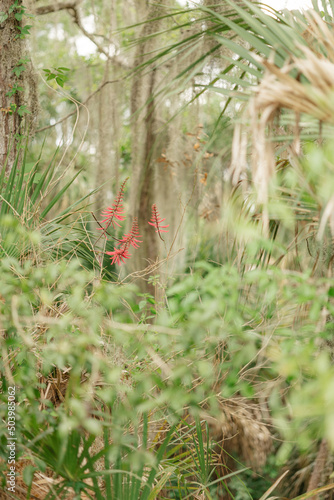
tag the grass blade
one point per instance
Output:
(59, 195)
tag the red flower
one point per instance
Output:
(156, 221)
(110, 213)
(114, 212)
(119, 254)
(131, 237)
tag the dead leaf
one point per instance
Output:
(204, 178)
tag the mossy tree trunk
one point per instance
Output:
(145, 144)
(158, 174)
(109, 116)
(12, 67)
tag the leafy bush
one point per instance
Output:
(85, 374)
(88, 375)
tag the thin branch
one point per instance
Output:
(81, 104)
(72, 7)
(47, 9)
(105, 231)
(77, 20)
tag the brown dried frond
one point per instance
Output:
(280, 90)
(301, 467)
(241, 430)
(56, 385)
(209, 208)
(41, 485)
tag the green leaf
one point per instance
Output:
(154, 470)
(60, 81)
(18, 70)
(14, 90)
(40, 463)
(19, 184)
(58, 196)
(25, 29)
(28, 474)
(3, 17)
(45, 177)
(23, 110)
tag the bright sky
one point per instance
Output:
(289, 4)
(281, 4)
(85, 47)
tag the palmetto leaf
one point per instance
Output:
(22, 194)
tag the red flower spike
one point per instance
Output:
(115, 211)
(156, 221)
(131, 237)
(118, 255)
(110, 213)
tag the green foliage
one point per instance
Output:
(60, 75)
(20, 11)
(16, 88)
(15, 6)
(23, 110)
(52, 318)
(24, 30)
(3, 17)
(119, 384)
(30, 193)
(21, 66)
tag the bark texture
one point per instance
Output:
(109, 116)
(11, 51)
(15, 71)
(145, 144)
(46, 9)
(319, 468)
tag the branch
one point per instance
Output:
(47, 9)
(114, 59)
(80, 104)
(72, 7)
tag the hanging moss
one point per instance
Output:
(18, 94)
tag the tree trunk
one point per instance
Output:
(144, 148)
(12, 67)
(318, 470)
(106, 151)
(109, 114)
(159, 174)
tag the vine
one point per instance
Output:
(19, 12)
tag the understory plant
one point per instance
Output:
(238, 364)
(113, 216)
(108, 407)
(32, 192)
(80, 366)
